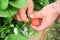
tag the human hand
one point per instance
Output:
(48, 15)
(58, 19)
(21, 14)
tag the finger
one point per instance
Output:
(14, 17)
(17, 17)
(35, 27)
(30, 9)
(36, 14)
(22, 13)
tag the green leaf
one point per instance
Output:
(3, 35)
(45, 2)
(12, 11)
(5, 38)
(35, 33)
(11, 25)
(3, 4)
(4, 13)
(16, 37)
(37, 5)
(30, 30)
(51, 1)
(2, 29)
(7, 31)
(8, 20)
(8, 12)
(18, 3)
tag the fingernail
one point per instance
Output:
(26, 20)
(31, 16)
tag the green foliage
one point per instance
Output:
(8, 12)
(3, 35)
(16, 37)
(8, 9)
(39, 4)
(18, 3)
(3, 4)
(54, 33)
(8, 20)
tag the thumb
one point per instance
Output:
(36, 14)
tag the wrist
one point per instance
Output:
(58, 0)
(57, 6)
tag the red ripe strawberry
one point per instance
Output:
(35, 21)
